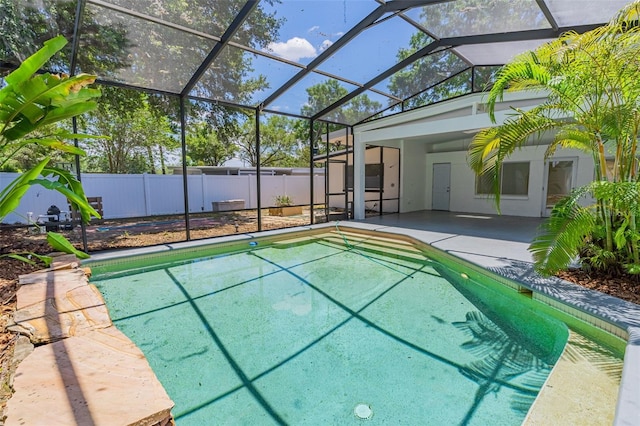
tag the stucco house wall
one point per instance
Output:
(441, 134)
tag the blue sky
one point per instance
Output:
(311, 27)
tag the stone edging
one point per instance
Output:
(78, 368)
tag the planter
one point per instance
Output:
(227, 205)
(285, 211)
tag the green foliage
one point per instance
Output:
(427, 72)
(561, 237)
(26, 25)
(283, 201)
(204, 147)
(592, 86)
(279, 146)
(30, 102)
(322, 95)
(60, 243)
(28, 258)
(140, 133)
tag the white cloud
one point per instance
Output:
(325, 44)
(314, 28)
(293, 49)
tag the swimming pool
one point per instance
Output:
(332, 328)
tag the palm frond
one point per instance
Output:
(562, 235)
(571, 137)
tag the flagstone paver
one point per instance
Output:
(83, 370)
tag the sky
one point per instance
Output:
(314, 25)
(311, 27)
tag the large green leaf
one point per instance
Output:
(19, 257)
(27, 258)
(10, 196)
(45, 99)
(53, 143)
(563, 234)
(33, 63)
(59, 242)
(86, 210)
(63, 113)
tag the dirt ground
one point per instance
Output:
(110, 235)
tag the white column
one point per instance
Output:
(358, 177)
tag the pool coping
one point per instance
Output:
(614, 315)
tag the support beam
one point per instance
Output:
(542, 4)
(224, 40)
(258, 170)
(76, 37)
(352, 33)
(452, 42)
(380, 77)
(185, 176)
(311, 176)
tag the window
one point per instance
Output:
(373, 174)
(514, 180)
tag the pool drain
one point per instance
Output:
(363, 411)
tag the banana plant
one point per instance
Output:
(29, 101)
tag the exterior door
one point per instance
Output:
(441, 186)
(559, 180)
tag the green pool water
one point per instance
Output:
(332, 330)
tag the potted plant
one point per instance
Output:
(284, 207)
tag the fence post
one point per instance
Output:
(203, 191)
(147, 194)
(284, 186)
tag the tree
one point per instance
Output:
(451, 19)
(593, 90)
(142, 55)
(411, 82)
(136, 130)
(324, 94)
(31, 102)
(204, 147)
(278, 143)
(319, 97)
(24, 26)
(470, 17)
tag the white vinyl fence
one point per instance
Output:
(126, 196)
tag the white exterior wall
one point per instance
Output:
(414, 176)
(441, 134)
(463, 196)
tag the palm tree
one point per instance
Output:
(593, 105)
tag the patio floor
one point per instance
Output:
(500, 244)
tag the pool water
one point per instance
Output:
(333, 329)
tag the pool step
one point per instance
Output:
(377, 245)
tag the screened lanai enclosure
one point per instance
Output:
(220, 112)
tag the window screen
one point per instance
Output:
(373, 174)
